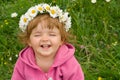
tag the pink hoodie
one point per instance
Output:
(65, 66)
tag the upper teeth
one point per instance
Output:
(45, 45)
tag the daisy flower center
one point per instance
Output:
(25, 19)
(48, 8)
(53, 11)
(40, 8)
(33, 11)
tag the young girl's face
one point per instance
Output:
(45, 41)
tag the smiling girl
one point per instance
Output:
(48, 55)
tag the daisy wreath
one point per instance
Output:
(54, 11)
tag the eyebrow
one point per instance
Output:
(37, 32)
(51, 31)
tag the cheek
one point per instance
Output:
(58, 42)
(32, 41)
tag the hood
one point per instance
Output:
(64, 53)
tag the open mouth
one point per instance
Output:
(45, 46)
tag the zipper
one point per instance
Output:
(48, 77)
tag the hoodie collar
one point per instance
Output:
(64, 53)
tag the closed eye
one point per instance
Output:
(52, 34)
(37, 35)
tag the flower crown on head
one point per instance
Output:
(54, 11)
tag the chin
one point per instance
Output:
(45, 54)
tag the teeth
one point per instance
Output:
(45, 46)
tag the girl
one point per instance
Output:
(47, 56)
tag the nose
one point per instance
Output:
(44, 37)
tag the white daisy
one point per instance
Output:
(68, 23)
(14, 14)
(16, 55)
(64, 17)
(32, 11)
(46, 7)
(40, 8)
(24, 20)
(93, 1)
(53, 12)
(107, 0)
(22, 27)
(10, 58)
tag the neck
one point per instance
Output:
(44, 58)
(44, 62)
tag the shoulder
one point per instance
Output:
(70, 63)
(19, 64)
(72, 70)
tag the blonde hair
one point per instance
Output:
(50, 23)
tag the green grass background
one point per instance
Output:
(96, 26)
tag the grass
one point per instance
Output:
(96, 27)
